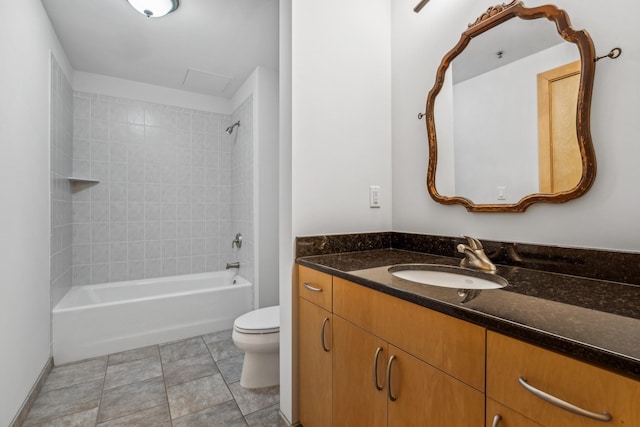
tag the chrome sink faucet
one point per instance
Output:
(474, 256)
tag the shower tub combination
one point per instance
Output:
(96, 320)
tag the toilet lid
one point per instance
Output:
(261, 321)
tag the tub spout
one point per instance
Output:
(232, 265)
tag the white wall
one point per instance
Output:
(605, 217)
(341, 106)
(340, 134)
(26, 39)
(288, 387)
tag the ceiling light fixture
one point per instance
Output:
(154, 8)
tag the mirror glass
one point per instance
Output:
(506, 116)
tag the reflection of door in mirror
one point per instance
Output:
(560, 162)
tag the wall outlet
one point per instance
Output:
(501, 193)
(374, 196)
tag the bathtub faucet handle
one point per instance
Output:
(232, 265)
(237, 242)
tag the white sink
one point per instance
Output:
(448, 276)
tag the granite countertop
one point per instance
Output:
(596, 321)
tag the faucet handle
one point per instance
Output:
(473, 243)
(237, 242)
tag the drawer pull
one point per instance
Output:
(389, 393)
(562, 404)
(496, 420)
(324, 325)
(375, 368)
(311, 288)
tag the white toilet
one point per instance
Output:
(257, 333)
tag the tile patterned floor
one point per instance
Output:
(188, 383)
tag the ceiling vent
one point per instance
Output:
(205, 82)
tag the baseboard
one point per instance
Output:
(18, 420)
(284, 422)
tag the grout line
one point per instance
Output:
(104, 379)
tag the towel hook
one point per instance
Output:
(613, 54)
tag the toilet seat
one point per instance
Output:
(262, 321)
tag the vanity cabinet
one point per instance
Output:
(368, 358)
(315, 347)
(510, 362)
(398, 364)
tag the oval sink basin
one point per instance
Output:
(448, 276)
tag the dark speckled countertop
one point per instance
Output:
(594, 320)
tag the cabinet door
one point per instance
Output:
(314, 350)
(359, 361)
(583, 385)
(452, 345)
(426, 396)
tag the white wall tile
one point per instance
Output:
(118, 252)
(99, 232)
(153, 268)
(119, 271)
(81, 275)
(135, 231)
(169, 248)
(99, 253)
(135, 251)
(136, 270)
(153, 249)
(158, 208)
(118, 232)
(100, 273)
(169, 230)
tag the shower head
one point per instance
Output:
(229, 130)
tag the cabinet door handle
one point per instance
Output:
(605, 416)
(389, 393)
(375, 368)
(496, 420)
(324, 325)
(311, 288)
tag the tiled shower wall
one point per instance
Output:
(61, 131)
(241, 141)
(163, 200)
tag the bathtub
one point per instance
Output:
(96, 320)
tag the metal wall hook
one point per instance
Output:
(420, 5)
(613, 54)
(421, 115)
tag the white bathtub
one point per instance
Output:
(96, 320)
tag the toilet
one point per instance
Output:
(257, 333)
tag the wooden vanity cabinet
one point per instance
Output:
(392, 367)
(315, 347)
(349, 333)
(585, 386)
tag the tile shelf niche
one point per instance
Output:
(80, 180)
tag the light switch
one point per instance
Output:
(374, 196)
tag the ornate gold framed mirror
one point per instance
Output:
(511, 104)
